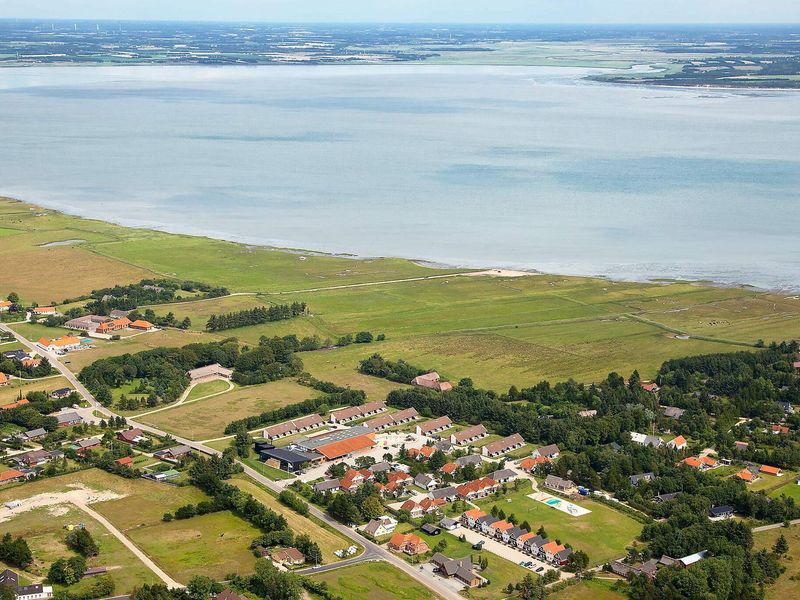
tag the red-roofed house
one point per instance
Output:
(531, 464)
(679, 443)
(766, 469)
(11, 476)
(746, 476)
(408, 543)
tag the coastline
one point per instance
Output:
(424, 262)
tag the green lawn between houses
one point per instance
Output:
(596, 589)
(603, 534)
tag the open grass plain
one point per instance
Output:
(499, 331)
(205, 419)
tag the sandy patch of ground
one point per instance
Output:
(78, 495)
(499, 273)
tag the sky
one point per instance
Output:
(417, 11)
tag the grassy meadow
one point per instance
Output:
(206, 418)
(498, 331)
(11, 391)
(785, 586)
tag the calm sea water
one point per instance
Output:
(479, 166)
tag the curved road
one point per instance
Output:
(372, 551)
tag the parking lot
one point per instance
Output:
(500, 549)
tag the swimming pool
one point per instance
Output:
(553, 502)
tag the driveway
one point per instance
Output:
(502, 550)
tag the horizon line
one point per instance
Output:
(384, 23)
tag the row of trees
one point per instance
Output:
(255, 316)
(149, 291)
(399, 371)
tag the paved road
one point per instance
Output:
(371, 550)
(774, 526)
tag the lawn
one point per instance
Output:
(374, 581)
(206, 419)
(201, 390)
(499, 571)
(34, 331)
(789, 488)
(767, 483)
(266, 470)
(43, 528)
(603, 534)
(215, 545)
(784, 587)
(329, 540)
(10, 392)
(596, 589)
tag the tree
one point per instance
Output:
(437, 460)
(13, 297)
(344, 509)
(364, 462)
(337, 470)
(541, 531)
(372, 508)
(577, 561)
(67, 570)
(200, 587)
(781, 546)
(15, 551)
(242, 443)
(363, 337)
(272, 584)
(82, 542)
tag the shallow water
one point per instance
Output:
(480, 166)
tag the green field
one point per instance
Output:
(206, 419)
(216, 545)
(603, 534)
(374, 581)
(789, 488)
(784, 587)
(596, 589)
(11, 391)
(43, 528)
(498, 331)
(266, 470)
(201, 390)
